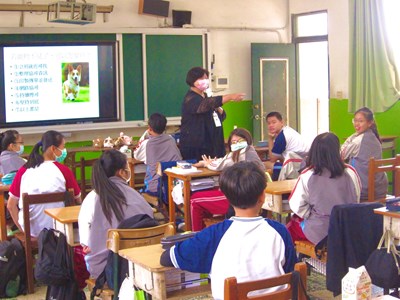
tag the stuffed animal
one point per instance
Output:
(108, 143)
(123, 140)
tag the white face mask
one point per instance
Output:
(238, 146)
(202, 84)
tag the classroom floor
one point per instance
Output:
(315, 288)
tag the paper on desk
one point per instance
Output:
(183, 171)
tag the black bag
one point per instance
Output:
(54, 258)
(68, 291)
(12, 269)
(383, 263)
(107, 276)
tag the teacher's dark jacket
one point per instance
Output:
(199, 135)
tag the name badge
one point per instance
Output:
(217, 121)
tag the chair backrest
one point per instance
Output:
(235, 291)
(85, 184)
(119, 239)
(32, 199)
(382, 165)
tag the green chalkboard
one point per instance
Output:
(133, 76)
(168, 59)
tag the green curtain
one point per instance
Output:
(373, 77)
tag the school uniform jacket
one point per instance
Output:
(357, 150)
(247, 248)
(314, 196)
(246, 154)
(93, 225)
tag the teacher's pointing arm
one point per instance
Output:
(233, 97)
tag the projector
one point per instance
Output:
(71, 13)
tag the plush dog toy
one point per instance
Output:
(108, 143)
(123, 140)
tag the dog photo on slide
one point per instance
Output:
(75, 82)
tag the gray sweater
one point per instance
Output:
(93, 225)
(159, 148)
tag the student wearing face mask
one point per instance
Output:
(43, 173)
(202, 117)
(111, 201)
(11, 147)
(204, 204)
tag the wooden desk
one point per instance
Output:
(273, 195)
(186, 192)
(391, 220)
(64, 219)
(161, 282)
(3, 222)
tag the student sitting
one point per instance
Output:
(43, 173)
(160, 147)
(281, 141)
(326, 182)
(246, 246)
(360, 147)
(11, 147)
(204, 204)
(111, 201)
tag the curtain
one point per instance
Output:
(373, 77)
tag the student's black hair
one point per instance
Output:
(274, 114)
(195, 73)
(325, 154)
(369, 115)
(243, 183)
(158, 122)
(49, 138)
(112, 200)
(6, 138)
(243, 133)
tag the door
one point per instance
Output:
(273, 85)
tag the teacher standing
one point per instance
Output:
(202, 117)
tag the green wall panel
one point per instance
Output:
(238, 114)
(340, 121)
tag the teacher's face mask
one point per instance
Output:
(202, 84)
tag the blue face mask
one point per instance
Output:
(63, 155)
(21, 150)
(238, 146)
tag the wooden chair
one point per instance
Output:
(85, 184)
(31, 244)
(235, 291)
(119, 239)
(382, 165)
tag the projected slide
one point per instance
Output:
(51, 82)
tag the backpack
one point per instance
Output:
(137, 221)
(12, 268)
(53, 266)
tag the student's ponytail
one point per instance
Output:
(112, 200)
(374, 129)
(35, 157)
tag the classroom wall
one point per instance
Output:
(232, 25)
